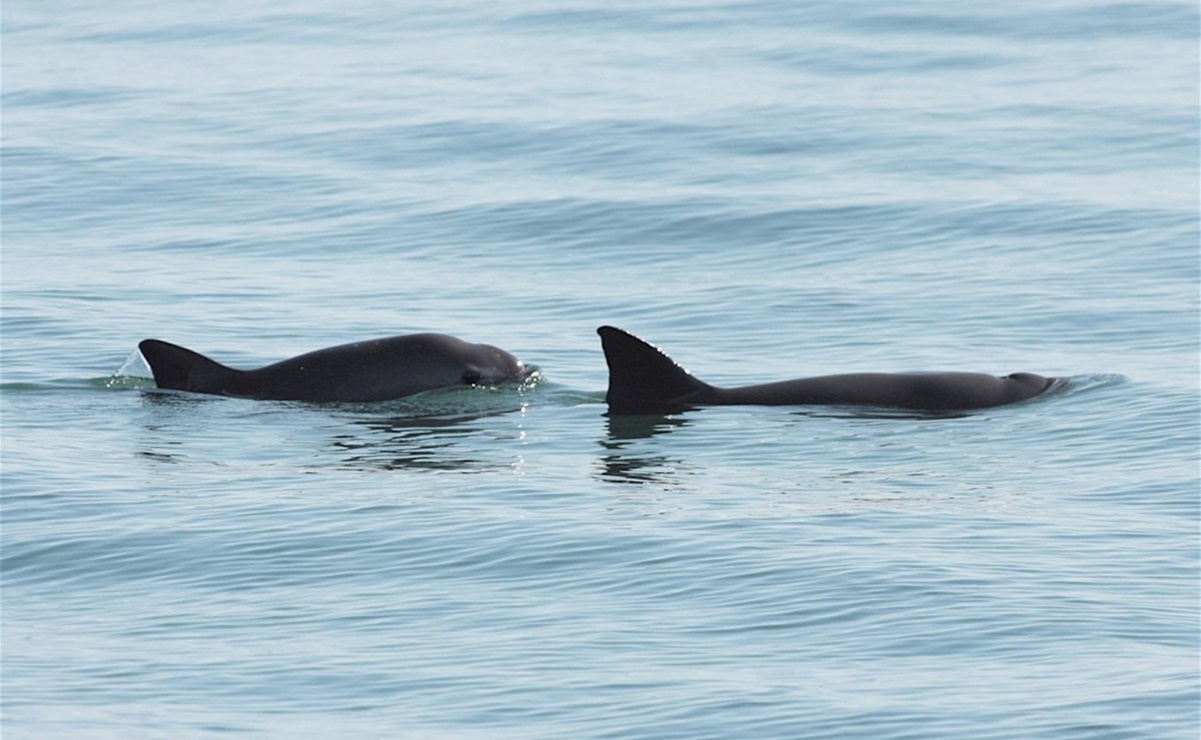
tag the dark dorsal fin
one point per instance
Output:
(644, 380)
(181, 369)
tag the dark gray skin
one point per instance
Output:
(374, 370)
(642, 380)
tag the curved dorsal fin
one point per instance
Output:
(644, 380)
(181, 369)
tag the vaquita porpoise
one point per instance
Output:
(642, 379)
(373, 370)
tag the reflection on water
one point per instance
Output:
(424, 443)
(623, 463)
(448, 430)
(438, 431)
(624, 428)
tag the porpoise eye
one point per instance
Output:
(471, 376)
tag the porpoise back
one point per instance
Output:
(642, 379)
(373, 370)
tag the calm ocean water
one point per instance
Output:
(766, 190)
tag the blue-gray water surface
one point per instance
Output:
(766, 190)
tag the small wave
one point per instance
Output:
(123, 382)
(1075, 384)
